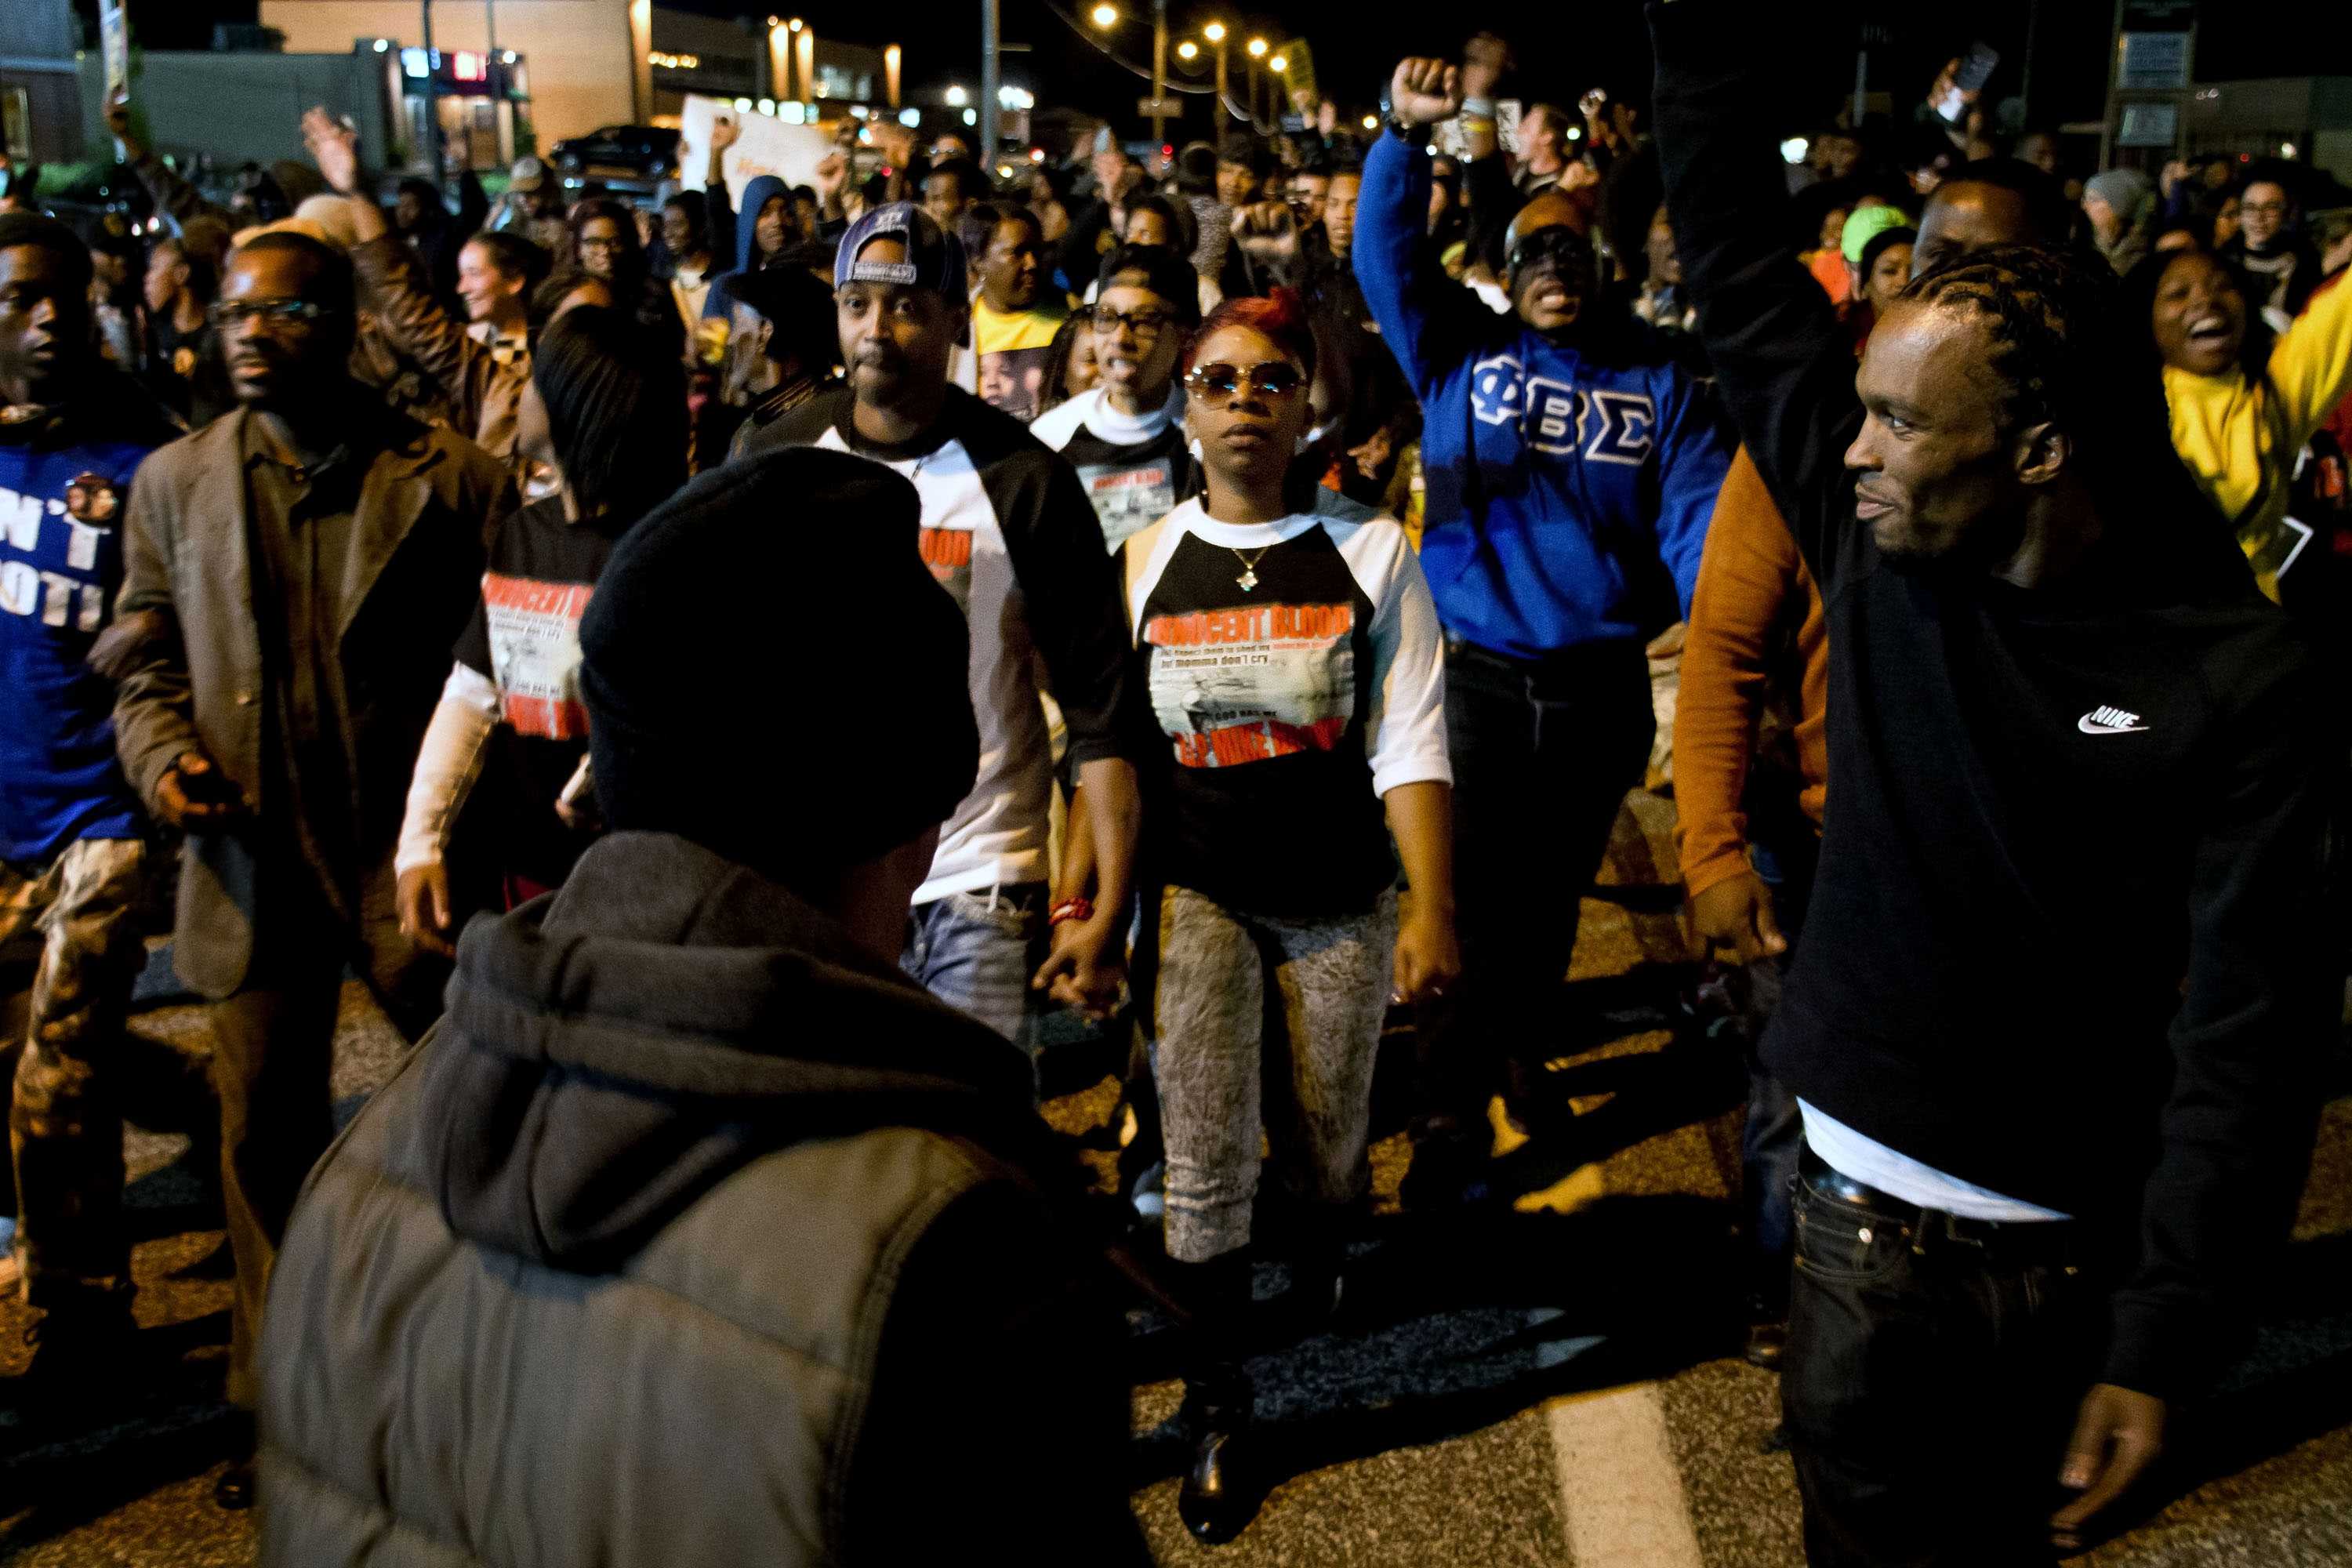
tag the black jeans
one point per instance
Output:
(1543, 754)
(1932, 1375)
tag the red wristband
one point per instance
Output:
(1080, 909)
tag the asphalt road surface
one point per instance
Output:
(1556, 1382)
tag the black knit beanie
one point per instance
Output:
(770, 671)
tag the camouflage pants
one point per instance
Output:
(65, 1124)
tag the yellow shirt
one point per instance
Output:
(2240, 439)
(1010, 353)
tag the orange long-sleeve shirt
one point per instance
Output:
(1750, 578)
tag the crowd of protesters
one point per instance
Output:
(1221, 600)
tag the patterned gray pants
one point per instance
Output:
(1231, 985)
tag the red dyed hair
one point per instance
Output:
(1279, 317)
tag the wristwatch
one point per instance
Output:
(1395, 127)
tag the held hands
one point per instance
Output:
(193, 795)
(1734, 918)
(1086, 966)
(2117, 1437)
(1425, 91)
(424, 904)
(1428, 960)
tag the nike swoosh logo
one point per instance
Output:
(2090, 726)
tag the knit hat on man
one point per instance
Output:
(770, 671)
(2122, 189)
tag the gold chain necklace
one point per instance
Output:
(1248, 579)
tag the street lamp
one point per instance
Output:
(1277, 65)
(958, 97)
(1188, 50)
(1215, 33)
(1105, 16)
(1257, 48)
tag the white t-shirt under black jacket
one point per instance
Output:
(1006, 528)
(1287, 707)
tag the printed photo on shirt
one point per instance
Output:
(1252, 683)
(534, 630)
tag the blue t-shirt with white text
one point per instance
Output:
(61, 513)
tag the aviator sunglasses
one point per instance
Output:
(1215, 385)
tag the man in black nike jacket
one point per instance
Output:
(2076, 759)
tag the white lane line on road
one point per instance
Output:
(1620, 1495)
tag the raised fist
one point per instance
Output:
(1484, 58)
(832, 178)
(1425, 91)
(1267, 232)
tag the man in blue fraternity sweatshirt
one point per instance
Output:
(72, 836)
(1571, 469)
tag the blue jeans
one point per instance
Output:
(1784, 860)
(975, 952)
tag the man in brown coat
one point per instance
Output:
(318, 554)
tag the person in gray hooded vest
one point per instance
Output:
(695, 1233)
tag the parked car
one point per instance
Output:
(647, 152)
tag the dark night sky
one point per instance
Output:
(1564, 48)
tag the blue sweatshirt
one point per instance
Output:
(1592, 467)
(758, 192)
(64, 484)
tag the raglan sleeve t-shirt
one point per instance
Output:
(525, 638)
(1296, 672)
(1134, 471)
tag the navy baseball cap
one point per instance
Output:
(934, 261)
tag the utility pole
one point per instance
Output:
(495, 75)
(2033, 39)
(988, 87)
(1158, 72)
(432, 101)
